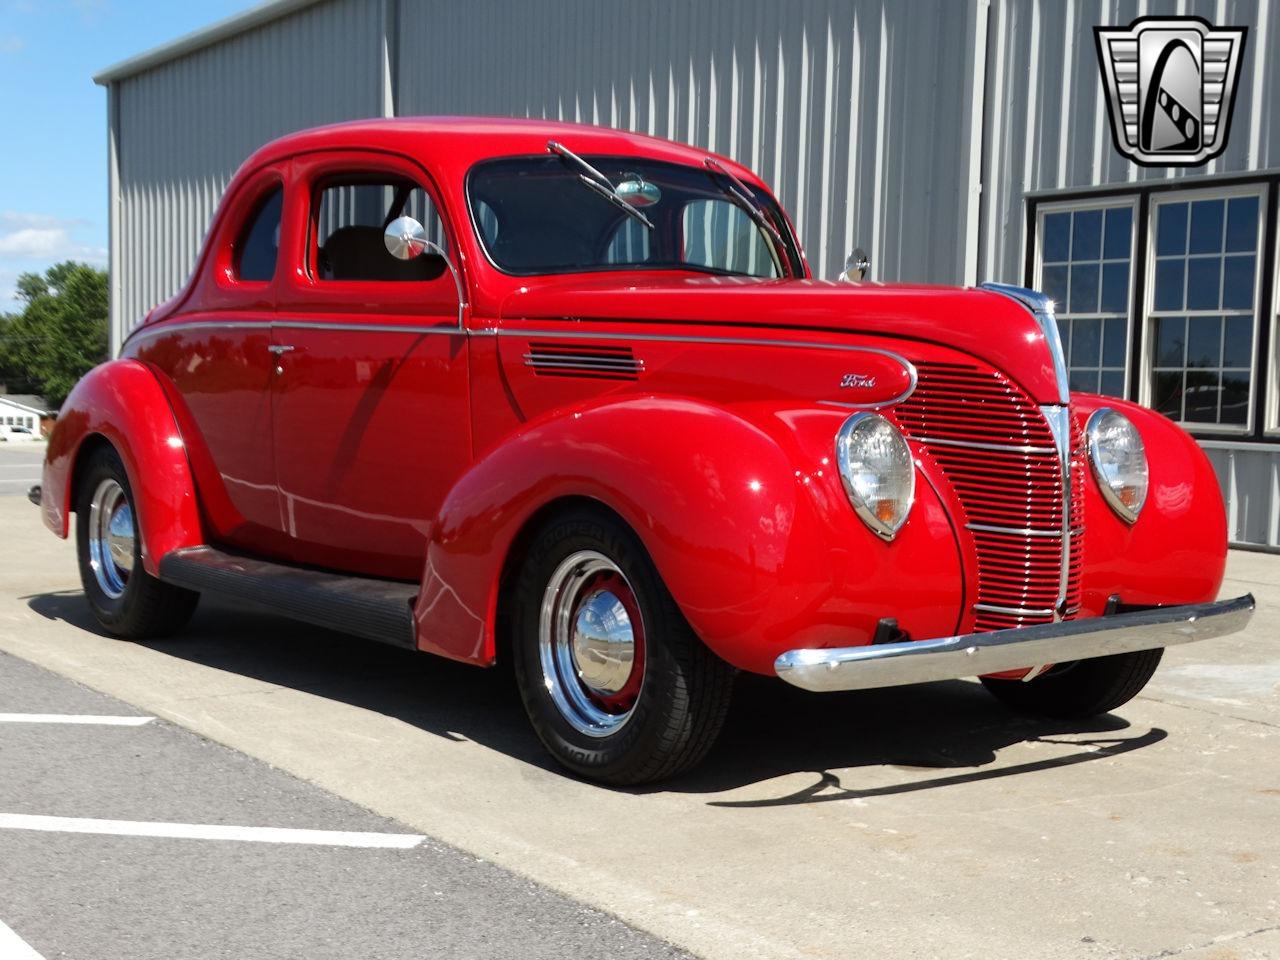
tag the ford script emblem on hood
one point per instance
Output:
(857, 381)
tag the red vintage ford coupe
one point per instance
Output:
(569, 397)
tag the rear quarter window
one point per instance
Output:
(258, 246)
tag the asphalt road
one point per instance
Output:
(923, 822)
(19, 467)
(119, 895)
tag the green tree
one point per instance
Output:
(61, 332)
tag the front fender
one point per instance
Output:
(1176, 551)
(121, 402)
(741, 511)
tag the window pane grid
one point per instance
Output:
(1086, 257)
(1201, 316)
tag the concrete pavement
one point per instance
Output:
(913, 823)
(20, 465)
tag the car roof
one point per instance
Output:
(462, 141)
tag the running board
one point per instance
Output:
(379, 610)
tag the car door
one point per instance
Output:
(213, 358)
(370, 389)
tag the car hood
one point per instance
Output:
(986, 325)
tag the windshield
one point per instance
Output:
(535, 215)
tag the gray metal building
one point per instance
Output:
(956, 140)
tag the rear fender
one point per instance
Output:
(123, 403)
(750, 531)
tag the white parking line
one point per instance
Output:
(196, 831)
(73, 718)
(13, 947)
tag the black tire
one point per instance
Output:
(685, 688)
(1084, 688)
(147, 607)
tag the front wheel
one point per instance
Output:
(124, 598)
(1083, 688)
(615, 682)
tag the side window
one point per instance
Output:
(257, 248)
(349, 220)
(719, 235)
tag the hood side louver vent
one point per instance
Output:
(586, 360)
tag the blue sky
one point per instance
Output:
(53, 155)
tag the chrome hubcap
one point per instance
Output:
(591, 643)
(111, 538)
(603, 643)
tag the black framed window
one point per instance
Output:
(1085, 265)
(1202, 314)
(1202, 306)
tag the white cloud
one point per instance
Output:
(13, 218)
(42, 237)
(34, 243)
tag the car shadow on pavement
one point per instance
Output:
(773, 730)
(955, 727)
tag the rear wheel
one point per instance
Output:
(1083, 688)
(616, 684)
(124, 598)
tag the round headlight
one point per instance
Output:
(878, 473)
(1119, 462)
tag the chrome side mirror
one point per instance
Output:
(406, 238)
(856, 266)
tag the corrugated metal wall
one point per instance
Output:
(184, 127)
(860, 113)
(1250, 478)
(1046, 119)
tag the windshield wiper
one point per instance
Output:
(740, 194)
(597, 181)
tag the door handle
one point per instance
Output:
(279, 349)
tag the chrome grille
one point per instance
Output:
(998, 453)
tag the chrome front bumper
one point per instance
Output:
(949, 658)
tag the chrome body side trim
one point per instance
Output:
(155, 330)
(975, 654)
(285, 323)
